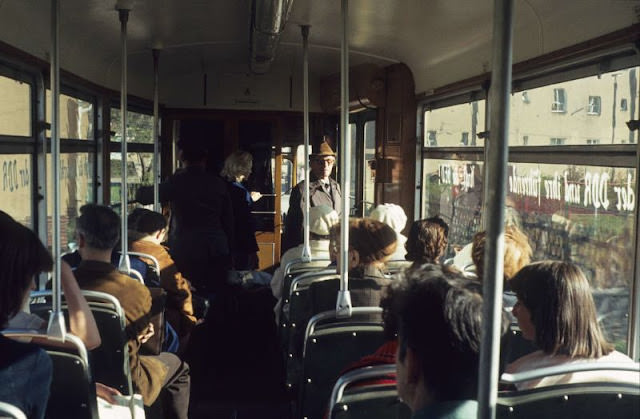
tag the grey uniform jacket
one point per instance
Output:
(317, 196)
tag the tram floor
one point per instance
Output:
(237, 370)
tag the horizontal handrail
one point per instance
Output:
(37, 334)
(332, 314)
(569, 368)
(357, 375)
(91, 296)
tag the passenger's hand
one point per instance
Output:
(107, 393)
(146, 335)
(255, 195)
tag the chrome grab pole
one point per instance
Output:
(343, 305)
(123, 7)
(306, 249)
(156, 128)
(496, 175)
(56, 326)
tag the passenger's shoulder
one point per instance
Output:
(525, 363)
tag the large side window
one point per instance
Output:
(139, 155)
(16, 164)
(573, 204)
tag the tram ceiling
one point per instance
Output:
(441, 41)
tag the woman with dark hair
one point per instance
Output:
(427, 241)
(555, 310)
(237, 168)
(371, 244)
(25, 369)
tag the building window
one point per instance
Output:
(525, 140)
(432, 138)
(558, 141)
(593, 141)
(559, 101)
(623, 105)
(594, 105)
(465, 139)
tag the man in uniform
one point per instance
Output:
(322, 191)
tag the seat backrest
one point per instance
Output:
(594, 400)
(9, 411)
(572, 401)
(295, 321)
(378, 401)
(298, 266)
(322, 363)
(73, 390)
(110, 361)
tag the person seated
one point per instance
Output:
(427, 241)
(146, 233)
(555, 310)
(98, 231)
(393, 215)
(25, 369)
(517, 253)
(437, 313)
(371, 244)
(321, 219)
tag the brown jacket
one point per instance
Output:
(147, 372)
(179, 305)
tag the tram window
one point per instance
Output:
(445, 127)
(300, 162)
(453, 190)
(573, 121)
(353, 135)
(15, 194)
(369, 171)
(139, 173)
(15, 107)
(139, 127)
(582, 214)
(76, 117)
(76, 189)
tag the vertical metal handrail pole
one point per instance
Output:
(125, 264)
(56, 326)
(156, 128)
(497, 176)
(306, 248)
(634, 305)
(343, 305)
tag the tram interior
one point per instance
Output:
(231, 73)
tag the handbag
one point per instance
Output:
(158, 300)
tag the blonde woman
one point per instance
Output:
(237, 168)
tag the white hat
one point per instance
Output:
(321, 219)
(391, 214)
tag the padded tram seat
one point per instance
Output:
(323, 362)
(73, 389)
(110, 361)
(368, 401)
(294, 322)
(593, 400)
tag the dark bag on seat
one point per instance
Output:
(154, 345)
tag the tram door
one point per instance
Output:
(362, 134)
(258, 138)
